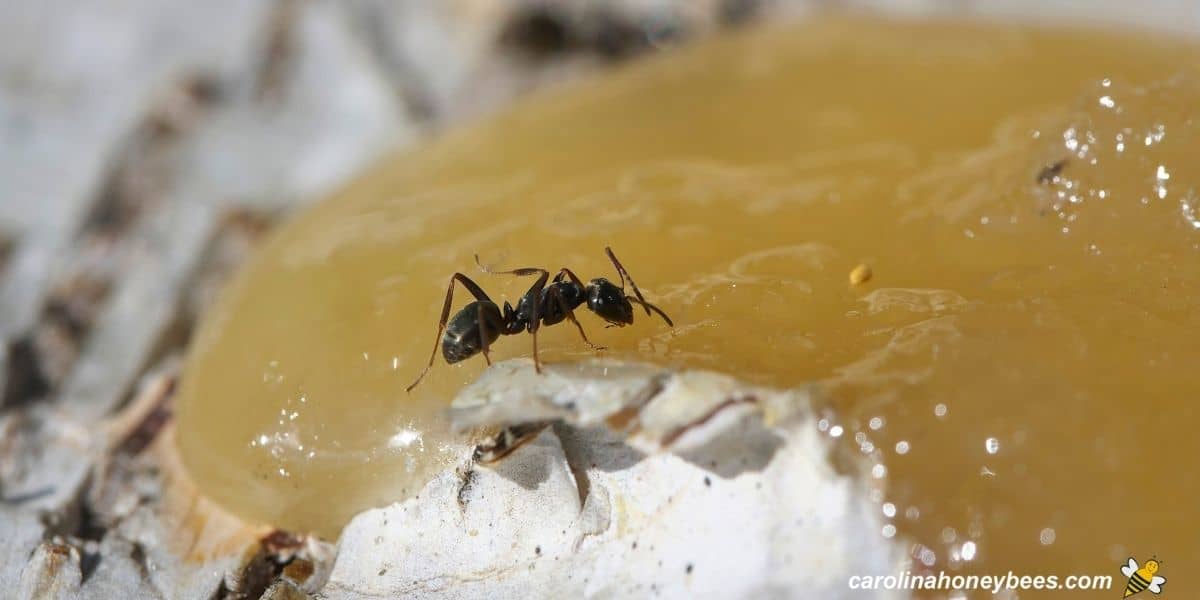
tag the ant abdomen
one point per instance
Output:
(473, 328)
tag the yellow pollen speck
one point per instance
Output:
(860, 274)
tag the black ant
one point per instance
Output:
(480, 323)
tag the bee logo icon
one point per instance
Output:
(1144, 578)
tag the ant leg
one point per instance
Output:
(649, 307)
(534, 294)
(483, 336)
(520, 272)
(567, 310)
(625, 276)
(537, 361)
(535, 320)
(571, 315)
(571, 274)
(575, 279)
(476, 291)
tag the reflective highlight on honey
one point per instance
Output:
(1017, 373)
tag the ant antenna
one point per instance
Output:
(639, 299)
(625, 276)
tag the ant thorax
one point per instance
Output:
(558, 298)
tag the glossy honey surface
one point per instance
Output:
(1019, 372)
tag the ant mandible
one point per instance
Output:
(480, 323)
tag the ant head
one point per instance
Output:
(608, 301)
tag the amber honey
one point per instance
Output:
(1017, 375)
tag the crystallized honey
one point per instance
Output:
(1017, 370)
